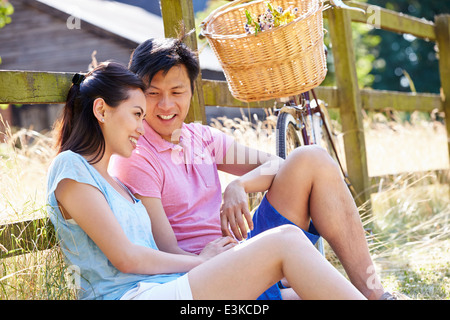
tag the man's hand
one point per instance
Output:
(217, 246)
(234, 210)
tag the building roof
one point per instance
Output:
(155, 8)
(124, 20)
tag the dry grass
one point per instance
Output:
(24, 159)
(410, 231)
(251, 132)
(394, 147)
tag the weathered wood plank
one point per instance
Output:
(15, 88)
(176, 13)
(443, 41)
(379, 100)
(349, 100)
(34, 87)
(26, 236)
(393, 21)
(216, 93)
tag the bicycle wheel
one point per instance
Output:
(287, 137)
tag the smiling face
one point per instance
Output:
(123, 124)
(168, 99)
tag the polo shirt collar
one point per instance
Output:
(157, 141)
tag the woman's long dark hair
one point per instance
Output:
(78, 130)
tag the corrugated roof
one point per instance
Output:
(127, 21)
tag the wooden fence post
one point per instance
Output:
(442, 23)
(175, 13)
(349, 99)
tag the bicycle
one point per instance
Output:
(307, 122)
(299, 124)
(303, 119)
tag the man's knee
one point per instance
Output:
(313, 157)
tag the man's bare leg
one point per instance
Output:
(308, 186)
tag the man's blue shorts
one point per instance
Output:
(267, 217)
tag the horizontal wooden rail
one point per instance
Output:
(26, 236)
(33, 87)
(393, 21)
(381, 100)
(217, 94)
(378, 100)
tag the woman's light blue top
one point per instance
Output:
(98, 278)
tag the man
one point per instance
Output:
(174, 172)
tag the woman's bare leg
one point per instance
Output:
(247, 270)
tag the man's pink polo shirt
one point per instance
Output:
(183, 176)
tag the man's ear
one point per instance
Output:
(99, 109)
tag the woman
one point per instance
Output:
(106, 232)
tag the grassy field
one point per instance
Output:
(410, 231)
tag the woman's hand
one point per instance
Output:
(234, 210)
(217, 246)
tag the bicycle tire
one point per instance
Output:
(287, 135)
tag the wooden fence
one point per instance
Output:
(49, 87)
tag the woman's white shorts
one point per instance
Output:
(177, 289)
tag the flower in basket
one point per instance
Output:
(251, 23)
(271, 18)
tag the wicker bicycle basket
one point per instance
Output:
(280, 62)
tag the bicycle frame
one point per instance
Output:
(300, 108)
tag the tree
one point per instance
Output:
(404, 62)
(6, 9)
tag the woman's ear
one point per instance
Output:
(99, 109)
